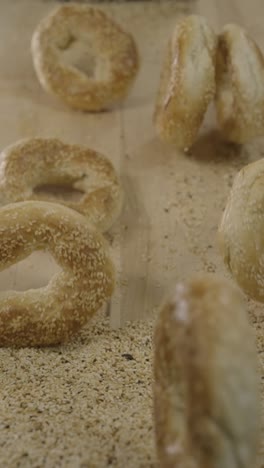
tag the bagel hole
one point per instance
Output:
(81, 53)
(63, 192)
(33, 272)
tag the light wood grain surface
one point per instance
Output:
(173, 201)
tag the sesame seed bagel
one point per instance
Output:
(83, 57)
(206, 384)
(240, 233)
(52, 314)
(33, 162)
(187, 83)
(240, 85)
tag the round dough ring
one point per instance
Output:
(240, 85)
(207, 402)
(52, 314)
(77, 30)
(34, 162)
(187, 83)
(241, 230)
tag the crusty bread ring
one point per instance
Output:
(33, 162)
(240, 85)
(206, 386)
(187, 82)
(83, 57)
(52, 314)
(241, 231)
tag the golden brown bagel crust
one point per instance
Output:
(240, 85)
(187, 82)
(52, 314)
(89, 83)
(241, 231)
(206, 385)
(33, 162)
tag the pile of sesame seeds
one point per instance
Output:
(84, 404)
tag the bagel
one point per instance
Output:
(187, 83)
(206, 394)
(240, 85)
(83, 57)
(33, 162)
(241, 230)
(52, 314)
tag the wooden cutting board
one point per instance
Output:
(173, 202)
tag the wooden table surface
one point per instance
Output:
(173, 202)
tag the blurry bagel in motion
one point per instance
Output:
(187, 83)
(83, 57)
(240, 85)
(241, 230)
(206, 395)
